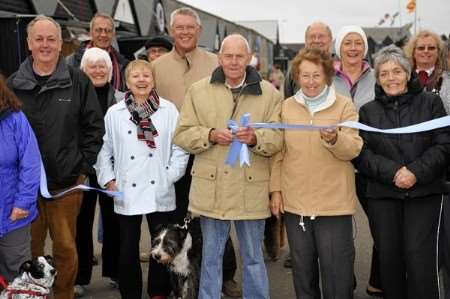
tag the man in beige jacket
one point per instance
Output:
(173, 74)
(221, 193)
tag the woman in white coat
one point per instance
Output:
(139, 159)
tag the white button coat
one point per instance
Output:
(146, 176)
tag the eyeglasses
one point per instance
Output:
(105, 30)
(188, 28)
(428, 48)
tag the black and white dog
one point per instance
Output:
(34, 282)
(173, 246)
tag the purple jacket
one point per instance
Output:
(20, 164)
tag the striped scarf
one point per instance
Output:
(141, 116)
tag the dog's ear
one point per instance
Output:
(25, 267)
(158, 228)
(49, 259)
(182, 233)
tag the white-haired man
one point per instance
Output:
(221, 193)
(173, 74)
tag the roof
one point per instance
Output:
(267, 28)
(378, 34)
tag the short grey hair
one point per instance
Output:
(185, 11)
(44, 18)
(247, 45)
(94, 55)
(321, 24)
(104, 16)
(392, 53)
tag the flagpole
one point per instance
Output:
(415, 19)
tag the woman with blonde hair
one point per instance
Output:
(145, 166)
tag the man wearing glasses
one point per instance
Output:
(102, 33)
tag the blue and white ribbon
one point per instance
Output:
(237, 147)
(46, 194)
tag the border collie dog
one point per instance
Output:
(34, 282)
(173, 246)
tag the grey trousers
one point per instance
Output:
(325, 243)
(15, 249)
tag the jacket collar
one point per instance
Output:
(5, 112)
(413, 89)
(25, 80)
(252, 81)
(331, 99)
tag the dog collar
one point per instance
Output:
(12, 292)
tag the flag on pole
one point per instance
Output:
(394, 16)
(411, 6)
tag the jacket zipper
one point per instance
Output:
(236, 105)
(397, 112)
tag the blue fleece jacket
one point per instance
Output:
(19, 170)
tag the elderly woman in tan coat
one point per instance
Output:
(313, 181)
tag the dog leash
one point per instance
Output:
(187, 220)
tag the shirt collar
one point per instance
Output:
(429, 71)
(237, 86)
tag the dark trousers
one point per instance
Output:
(374, 278)
(111, 237)
(84, 240)
(182, 188)
(326, 243)
(405, 234)
(445, 248)
(85, 246)
(130, 272)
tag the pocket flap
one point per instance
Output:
(205, 171)
(256, 175)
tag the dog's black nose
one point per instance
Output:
(157, 256)
(52, 272)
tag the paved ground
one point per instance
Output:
(281, 286)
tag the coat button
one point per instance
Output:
(150, 155)
(129, 132)
(250, 178)
(134, 185)
(167, 167)
(152, 182)
(132, 157)
(212, 176)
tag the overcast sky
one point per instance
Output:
(295, 15)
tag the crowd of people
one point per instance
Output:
(157, 130)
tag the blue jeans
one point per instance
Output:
(250, 234)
